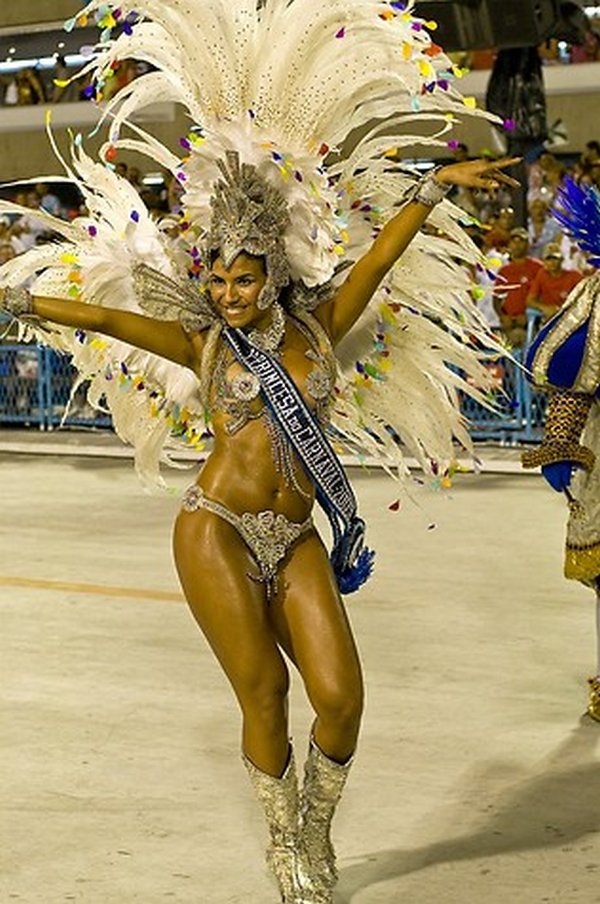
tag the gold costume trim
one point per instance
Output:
(579, 308)
(551, 453)
(569, 321)
(593, 709)
(566, 417)
(588, 379)
(582, 563)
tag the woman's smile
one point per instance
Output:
(235, 291)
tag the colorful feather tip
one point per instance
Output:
(578, 211)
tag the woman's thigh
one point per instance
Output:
(214, 565)
(312, 626)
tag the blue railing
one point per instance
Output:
(36, 385)
(59, 377)
(518, 409)
(22, 397)
(35, 390)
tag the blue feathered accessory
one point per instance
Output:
(578, 211)
(353, 578)
(352, 562)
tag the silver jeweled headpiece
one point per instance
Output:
(249, 214)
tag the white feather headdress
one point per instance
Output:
(312, 95)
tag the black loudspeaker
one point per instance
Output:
(482, 24)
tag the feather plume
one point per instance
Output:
(578, 210)
(313, 94)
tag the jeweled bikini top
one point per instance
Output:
(238, 396)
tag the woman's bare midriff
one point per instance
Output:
(241, 474)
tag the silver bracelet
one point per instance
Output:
(428, 191)
(17, 301)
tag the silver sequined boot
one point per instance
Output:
(279, 798)
(324, 781)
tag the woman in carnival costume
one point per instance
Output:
(565, 361)
(283, 243)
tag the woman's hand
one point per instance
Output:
(479, 173)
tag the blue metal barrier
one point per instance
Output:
(534, 402)
(59, 375)
(22, 398)
(502, 422)
(519, 408)
(35, 389)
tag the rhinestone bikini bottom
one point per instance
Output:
(268, 535)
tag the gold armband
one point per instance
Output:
(565, 420)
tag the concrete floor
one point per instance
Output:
(476, 781)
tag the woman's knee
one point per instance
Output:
(340, 706)
(265, 701)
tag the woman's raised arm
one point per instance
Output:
(165, 338)
(354, 294)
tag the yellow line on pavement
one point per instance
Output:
(131, 593)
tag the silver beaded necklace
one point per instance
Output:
(270, 339)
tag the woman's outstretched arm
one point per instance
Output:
(165, 338)
(354, 294)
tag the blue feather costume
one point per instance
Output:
(563, 353)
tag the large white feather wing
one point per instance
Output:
(154, 403)
(286, 82)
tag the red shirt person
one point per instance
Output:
(552, 284)
(513, 286)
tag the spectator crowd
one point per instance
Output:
(532, 266)
(32, 86)
(19, 233)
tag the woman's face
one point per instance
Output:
(235, 292)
